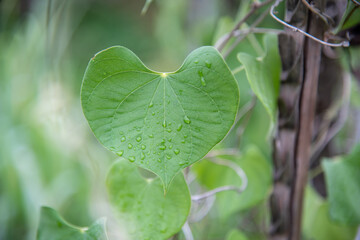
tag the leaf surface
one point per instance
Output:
(264, 74)
(162, 122)
(343, 185)
(141, 203)
(54, 227)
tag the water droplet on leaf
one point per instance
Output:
(130, 146)
(187, 120)
(208, 64)
(176, 151)
(132, 159)
(120, 153)
(138, 139)
(123, 139)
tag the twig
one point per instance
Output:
(307, 104)
(239, 172)
(317, 12)
(223, 41)
(240, 32)
(187, 231)
(146, 7)
(356, 2)
(342, 44)
(215, 191)
(241, 37)
(204, 210)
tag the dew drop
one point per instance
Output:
(168, 156)
(187, 120)
(202, 80)
(162, 147)
(123, 139)
(151, 105)
(185, 136)
(120, 153)
(170, 139)
(143, 147)
(138, 139)
(169, 130)
(171, 146)
(196, 61)
(153, 113)
(132, 159)
(176, 151)
(151, 136)
(142, 156)
(179, 127)
(183, 141)
(208, 64)
(181, 163)
(159, 160)
(130, 146)
(164, 124)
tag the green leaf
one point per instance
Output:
(53, 227)
(236, 235)
(317, 224)
(141, 203)
(343, 185)
(264, 74)
(258, 172)
(162, 122)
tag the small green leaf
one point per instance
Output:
(264, 74)
(162, 122)
(53, 227)
(343, 185)
(317, 224)
(141, 203)
(257, 170)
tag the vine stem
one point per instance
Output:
(187, 231)
(356, 2)
(272, 13)
(239, 171)
(223, 41)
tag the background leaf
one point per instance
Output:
(317, 224)
(142, 205)
(342, 176)
(258, 172)
(162, 122)
(264, 74)
(53, 227)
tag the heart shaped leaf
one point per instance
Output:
(162, 122)
(142, 204)
(53, 227)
